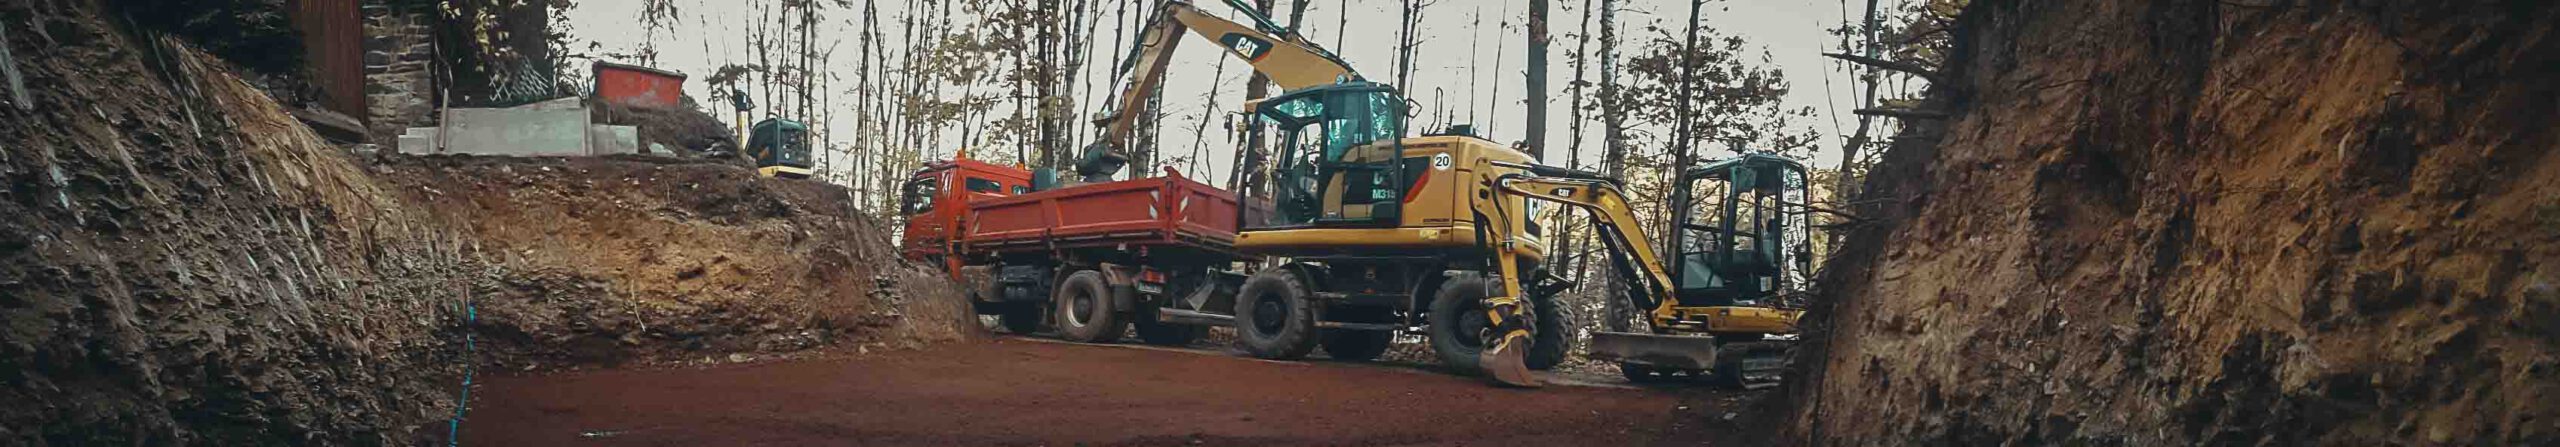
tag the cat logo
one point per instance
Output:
(1440, 161)
(1247, 47)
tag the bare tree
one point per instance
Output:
(1536, 119)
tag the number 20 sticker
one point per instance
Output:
(1440, 161)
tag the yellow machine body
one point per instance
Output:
(1439, 208)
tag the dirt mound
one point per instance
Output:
(2212, 223)
(612, 260)
(687, 132)
(182, 262)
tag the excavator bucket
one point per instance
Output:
(1506, 361)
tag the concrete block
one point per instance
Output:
(610, 140)
(417, 144)
(519, 132)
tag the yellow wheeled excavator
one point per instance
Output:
(1369, 232)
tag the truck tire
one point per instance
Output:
(1169, 334)
(1357, 346)
(1457, 321)
(1085, 312)
(1552, 332)
(1020, 318)
(1274, 318)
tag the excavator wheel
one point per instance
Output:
(1553, 339)
(1274, 316)
(1457, 320)
(1085, 312)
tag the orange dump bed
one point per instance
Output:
(1137, 213)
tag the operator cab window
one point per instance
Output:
(984, 186)
(919, 195)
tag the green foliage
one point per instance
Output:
(1735, 99)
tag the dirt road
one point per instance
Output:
(1026, 392)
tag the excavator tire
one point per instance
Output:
(1274, 316)
(1552, 338)
(1085, 312)
(1457, 322)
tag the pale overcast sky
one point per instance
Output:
(1791, 31)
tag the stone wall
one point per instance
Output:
(399, 70)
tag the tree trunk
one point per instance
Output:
(1684, 134)
(1613, 114)
(1405, 41)
(1573, 139)
(1536, 127)
(1846, 184)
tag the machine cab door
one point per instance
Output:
(1340, 161)
(1735, 230)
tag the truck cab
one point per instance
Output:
(935, 202)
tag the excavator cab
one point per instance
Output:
(780, 148)
(1340, 157)
(1736, 237)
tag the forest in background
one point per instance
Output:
(1625, 87)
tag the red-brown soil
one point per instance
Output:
(1026, 392)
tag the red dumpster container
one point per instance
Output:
(633, 85)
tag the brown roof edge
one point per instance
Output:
(603, 65)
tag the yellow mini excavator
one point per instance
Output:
(1375, 232)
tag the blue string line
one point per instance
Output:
(453, 427)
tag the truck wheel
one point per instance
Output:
(1274, 319)
(1020, 318)
(1553, 332)
(1458, 323)
(1357, 346)
(1084, 309)
(1169, 334)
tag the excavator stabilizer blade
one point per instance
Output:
(1506, 361)
(1661, 351)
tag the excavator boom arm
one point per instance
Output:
(1288, 59)
(1614, 219)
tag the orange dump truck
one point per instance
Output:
(1089, 260)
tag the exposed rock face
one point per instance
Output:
(181, 262)
(2212, 223)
